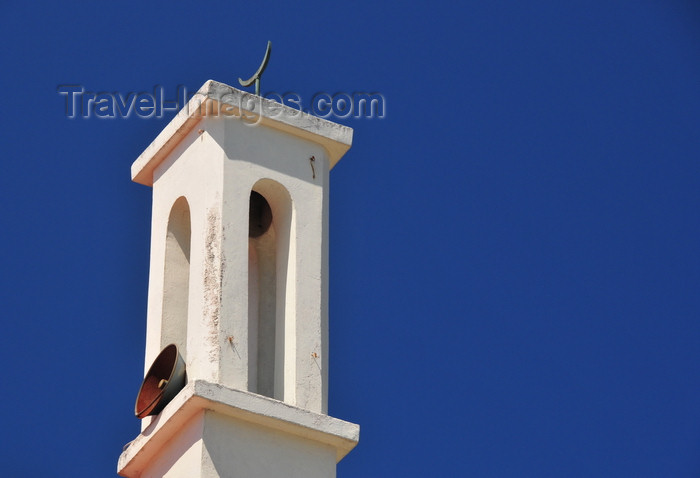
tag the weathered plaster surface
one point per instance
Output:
(214, 263)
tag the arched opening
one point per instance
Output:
(269, 310)
(176, 283)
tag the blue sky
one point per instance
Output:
(514, 247)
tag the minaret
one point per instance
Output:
(239, 283)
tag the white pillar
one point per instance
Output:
(266, 341)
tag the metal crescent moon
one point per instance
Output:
(263, 65)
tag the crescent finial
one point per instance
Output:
(256, 77)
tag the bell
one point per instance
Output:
(164, 379)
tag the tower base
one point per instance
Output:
(210, 431)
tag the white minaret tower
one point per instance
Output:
(239, 283)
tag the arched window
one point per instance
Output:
(176, 283)
(270, 297)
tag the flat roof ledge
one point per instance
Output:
(256, 409)
(219, 99)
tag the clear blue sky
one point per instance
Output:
(515, 272)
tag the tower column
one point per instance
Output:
(239, 282)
